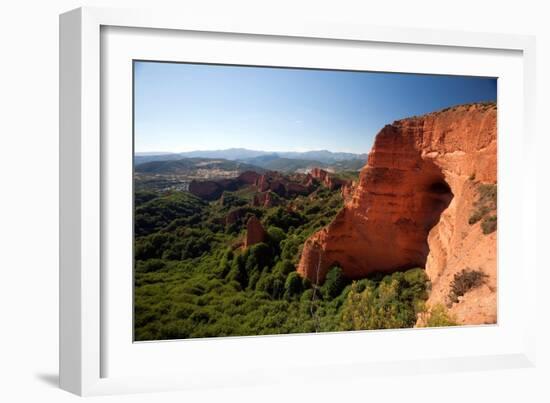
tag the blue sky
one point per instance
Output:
(184, 107)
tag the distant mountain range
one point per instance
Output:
(275, 162)
(191, 166)
(245, 155)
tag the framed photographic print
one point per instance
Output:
(232, 241)
(235, 196)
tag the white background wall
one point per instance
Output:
(29, 197)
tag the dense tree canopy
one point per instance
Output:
(193, 278)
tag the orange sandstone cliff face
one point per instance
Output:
(255, 233)
(411, 205)
(328, 179)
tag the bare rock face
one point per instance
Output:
(213, 189)
(319, 174)
(309, 181)
(294, 189)
(208, 190)
(284, 186)
(265, 199)
(328, 179)
(347, 190)
(411, 206)
(248, 177)
(255, 232)
(271, 181)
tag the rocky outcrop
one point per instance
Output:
(319, 174)
(347, 190)
(248, 178)
(411, 208)
(235, 215)
(456, 245)
(212, 190)
(266, 199)
(329, 180)
(208, 190)
(255, 232)
(284, 186)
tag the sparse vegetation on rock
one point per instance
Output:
(464, 281)
(485, 204)
(489, 224)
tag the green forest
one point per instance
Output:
(193, 278)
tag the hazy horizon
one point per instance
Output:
(183, 107)
(247, 149)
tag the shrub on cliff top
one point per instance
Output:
(464, 281)
(489, 224)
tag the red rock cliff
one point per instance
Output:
(411, 206)
(328, 179)
(255, 232)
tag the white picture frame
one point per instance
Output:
(84, 169)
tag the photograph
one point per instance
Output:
(287, 200)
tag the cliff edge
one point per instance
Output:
(413, 207)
